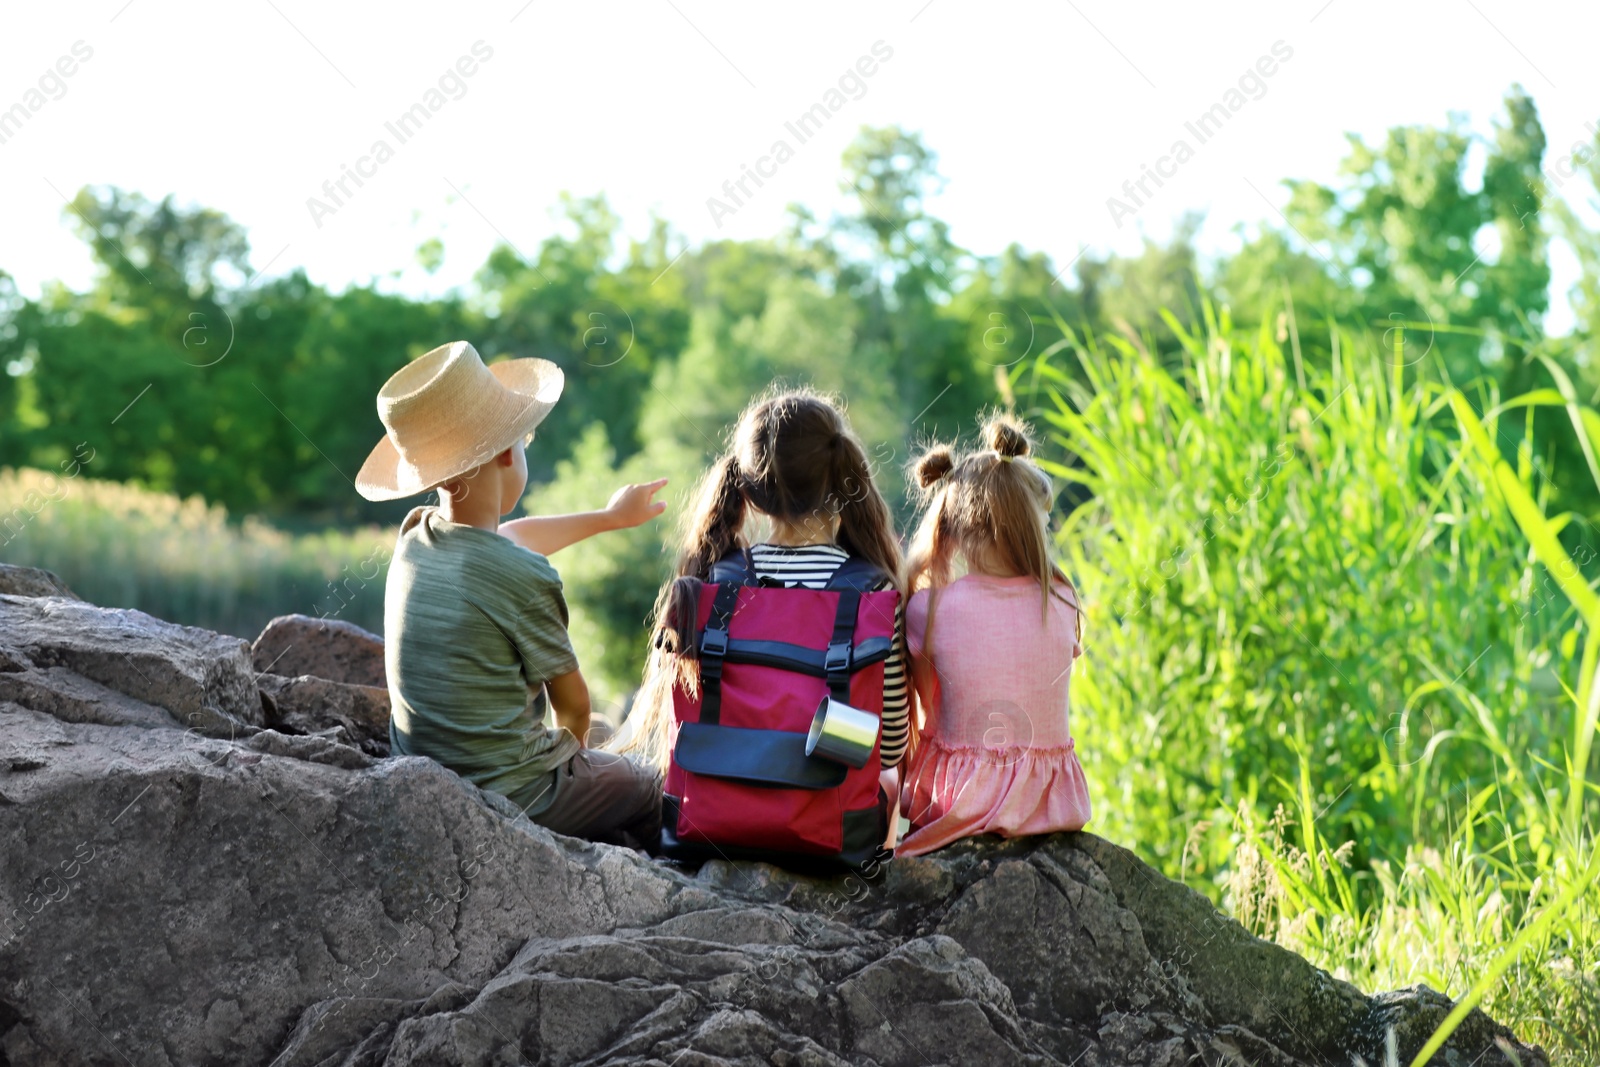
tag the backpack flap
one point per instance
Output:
(761, 757)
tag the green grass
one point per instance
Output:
(1339, 661)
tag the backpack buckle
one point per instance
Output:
(837, 660)
(714, 642)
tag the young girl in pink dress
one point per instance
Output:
(991, 747)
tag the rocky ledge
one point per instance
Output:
(206, 863)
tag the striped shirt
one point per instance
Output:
(810, 566)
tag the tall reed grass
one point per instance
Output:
(184, 560)
(1335, 675)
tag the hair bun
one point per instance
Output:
(1007, 436)
(933, 465)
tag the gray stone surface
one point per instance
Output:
(340, 651)
(256, 894)
(358, 714)
(32, 581)
(204, 680)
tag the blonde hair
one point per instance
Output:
(793, 456)
(991, 504)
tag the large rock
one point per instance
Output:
(203, 680)
(32, 581)
(169, 897)
(358, 714)
(340, 651)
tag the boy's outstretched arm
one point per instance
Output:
(548, 534)
(569, 699)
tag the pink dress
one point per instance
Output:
(996, 753)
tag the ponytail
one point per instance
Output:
(865, 527)
(717, 517)
(714, 527)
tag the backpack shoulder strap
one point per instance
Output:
(737, 567)
(859, 574)
(729, 573)
(854, 577)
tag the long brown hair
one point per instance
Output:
(992, 504)
(793, 457)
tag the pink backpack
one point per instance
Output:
(741, 785)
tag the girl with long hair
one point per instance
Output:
(795, 462)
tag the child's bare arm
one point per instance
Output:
(548, 534)
(569, 699)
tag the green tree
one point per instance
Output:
(606, 328)
(1421, 246)
(903, 275)
(1120, 291)
(157, 252)
(12, 362)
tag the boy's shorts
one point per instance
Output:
(599, 796)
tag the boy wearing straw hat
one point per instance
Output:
(474, 618)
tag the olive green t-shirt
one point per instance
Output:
(474, 624)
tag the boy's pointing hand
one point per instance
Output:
(632, 504)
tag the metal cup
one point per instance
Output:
(842, 733)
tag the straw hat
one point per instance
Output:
(446, 413)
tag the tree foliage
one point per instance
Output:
(189, 373)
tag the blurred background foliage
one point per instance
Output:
(189, 374)
(1341, 669)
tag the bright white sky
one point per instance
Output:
(1038, 112)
